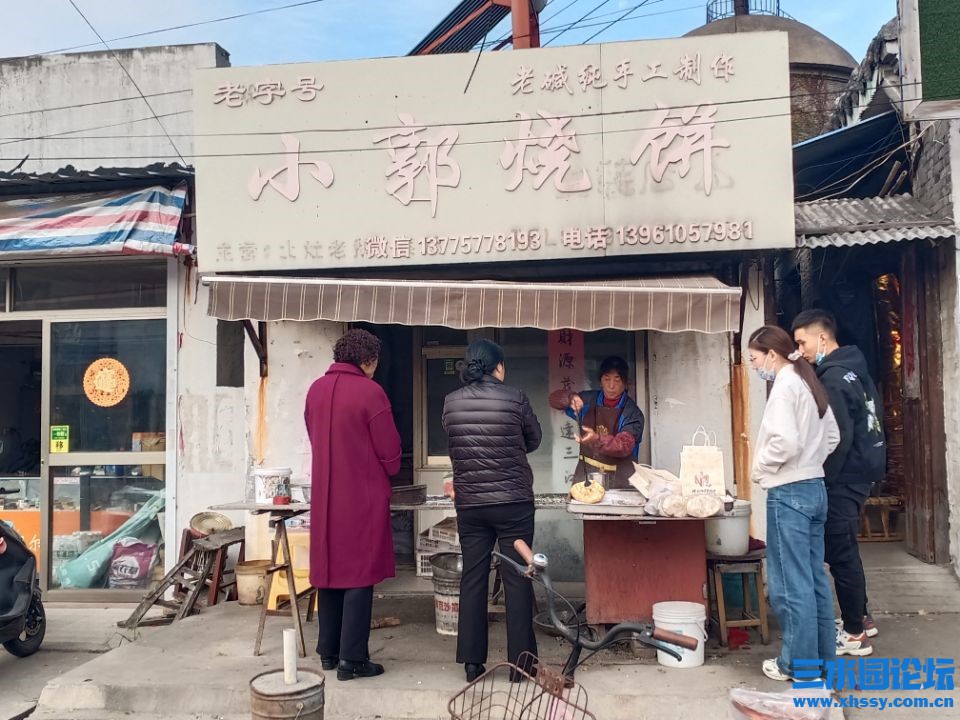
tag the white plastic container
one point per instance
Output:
(268, 481)
(729, 534)
(683, 618)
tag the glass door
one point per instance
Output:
(107, 442)
(21, 427)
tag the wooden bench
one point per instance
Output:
(883, 507)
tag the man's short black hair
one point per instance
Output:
(617, 365)
(823, 318)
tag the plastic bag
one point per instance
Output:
(754, 705)
(131, 564)
(90, 568)
(704, 506)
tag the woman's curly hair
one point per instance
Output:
(357, 347)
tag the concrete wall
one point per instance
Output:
(81, 109)
(298, 354)
(212, 455)
(950, 298)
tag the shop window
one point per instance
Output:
(108, 386)
(444, 336)
(527, 361)
(86, 285)
(442, 377)
(3, 289)
(106, 527)
(230, 339)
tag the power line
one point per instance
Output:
(597, 7)
(467, 123)
(575, 25)
(556, 29)
(93, 103)
(127, 73)
(185, 26)
(59, 135)
(614, 22)
(427, 145)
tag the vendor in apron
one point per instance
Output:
(611, 424)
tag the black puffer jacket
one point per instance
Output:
(491, 428)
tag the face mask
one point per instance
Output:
(766, 374)
(821, 354)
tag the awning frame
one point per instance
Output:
(667, 304)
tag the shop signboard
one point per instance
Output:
(624, 149)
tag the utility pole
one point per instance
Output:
(526, 24)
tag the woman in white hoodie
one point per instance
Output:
(797, 433)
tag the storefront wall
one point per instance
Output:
(212, 453)
(686, 384)
(100, 441)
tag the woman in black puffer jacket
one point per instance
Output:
(491, 428)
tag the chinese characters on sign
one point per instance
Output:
(414, 152)
(689, 68)
(557, 153)
(566, 358)
(544, 155)
(234, 95)
(873, 674)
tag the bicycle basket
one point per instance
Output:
(541, 694)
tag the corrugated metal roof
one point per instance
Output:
(69, 179)
(467, 36)
(866, 221)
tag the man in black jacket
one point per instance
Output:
(858, 462)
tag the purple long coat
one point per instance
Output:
(356, 448)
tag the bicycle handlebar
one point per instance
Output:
(536, 568)
(684, 641)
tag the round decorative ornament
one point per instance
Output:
(106, 382)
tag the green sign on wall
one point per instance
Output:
(939, 49)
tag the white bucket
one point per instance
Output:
(729, 534)
(268, 483)
(683, 618)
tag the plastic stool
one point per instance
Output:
(300, 550)
(746, 566)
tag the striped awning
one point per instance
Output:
(96, 223)
(668, 304)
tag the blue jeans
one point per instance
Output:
(799, 589)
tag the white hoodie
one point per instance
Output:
(794, 440)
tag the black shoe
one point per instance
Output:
(329, 662)
(349, 670)
(473, 671)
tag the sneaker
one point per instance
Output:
(771, 668)
(848, 644)
(869, 626)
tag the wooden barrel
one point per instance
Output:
(272, 699)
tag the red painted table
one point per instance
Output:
(631, 564)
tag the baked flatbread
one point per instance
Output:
(590, 494)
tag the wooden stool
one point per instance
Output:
(745, 566)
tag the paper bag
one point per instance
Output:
(701, 466)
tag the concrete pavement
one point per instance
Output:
(75, 635)
(201, 667)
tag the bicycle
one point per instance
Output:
(529, 690)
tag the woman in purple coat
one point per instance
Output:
(356, 448)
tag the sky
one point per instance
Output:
(348, 29)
